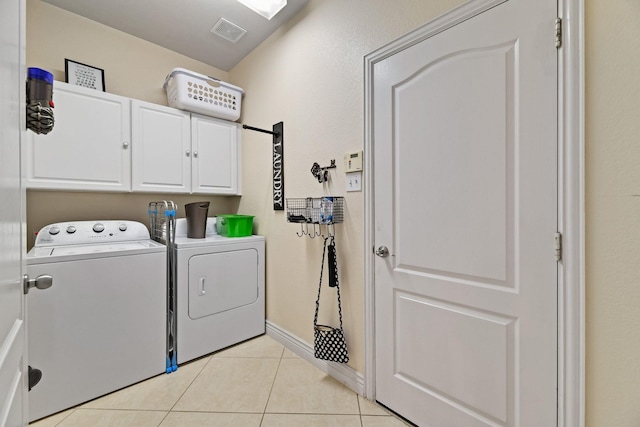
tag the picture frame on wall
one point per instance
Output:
(79, 74)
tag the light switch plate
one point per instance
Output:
(354, 181)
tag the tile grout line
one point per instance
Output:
(187, 387)
(359, 410)
(272, 384)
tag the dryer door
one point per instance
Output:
(222, 281)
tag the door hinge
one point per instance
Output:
(558, 246)
(558, 33)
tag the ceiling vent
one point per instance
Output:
(228, 30)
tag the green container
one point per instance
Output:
(234, 225)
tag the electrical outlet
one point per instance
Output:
(354, 181)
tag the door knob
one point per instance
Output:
(382, 251)
(43, 281)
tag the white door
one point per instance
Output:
(215, 146)
(465, 197)
(160, 148)
(88, 148)
(13, 376)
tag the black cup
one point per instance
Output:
(196, 219)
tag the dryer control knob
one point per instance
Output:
(71, 229)
(98, 227)
(54, 230)
(123, 227)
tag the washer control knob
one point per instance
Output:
(123, 227)
(98, 227)
(71, 229)
(54, 230)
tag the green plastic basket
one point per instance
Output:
(234, 225)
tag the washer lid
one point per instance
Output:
(50, 254)
(101, 248)
(185, 242)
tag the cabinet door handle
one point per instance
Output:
(188, 153)
(195, 154)
(125, 145)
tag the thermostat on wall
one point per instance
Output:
(353, 161)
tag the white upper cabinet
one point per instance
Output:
(215, 155)
(161, 148)
(105, 142)
(177, 152)
(89, 146)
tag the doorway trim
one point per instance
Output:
(571, 216)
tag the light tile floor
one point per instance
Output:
(258, 383)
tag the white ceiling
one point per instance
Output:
(184, 26)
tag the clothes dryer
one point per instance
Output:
(220, 291)
(101, 326)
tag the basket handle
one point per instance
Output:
(213, 83)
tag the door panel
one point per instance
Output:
(479, 233)
(215, 155)
(222, 281)
(88, 148)
(161, 139)
(445, 367)
(465, 189)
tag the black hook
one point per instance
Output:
(321, 173)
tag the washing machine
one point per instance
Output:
(101, 326)
(220, 290)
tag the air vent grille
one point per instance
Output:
(228, 30)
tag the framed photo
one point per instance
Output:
(83, 75)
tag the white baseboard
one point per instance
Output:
(338, 371)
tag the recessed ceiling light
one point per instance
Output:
(266, 8)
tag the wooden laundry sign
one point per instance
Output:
(278, 163)
(278, 166)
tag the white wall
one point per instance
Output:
(310, 74)
(613, 212)
(133, 67)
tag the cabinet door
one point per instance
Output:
(215, 162)
(88, 148)
(160, 148)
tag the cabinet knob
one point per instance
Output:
(125, 145)
(188, 153)
(195, 154)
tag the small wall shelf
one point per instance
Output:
(317, 211)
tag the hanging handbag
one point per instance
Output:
(329, 342)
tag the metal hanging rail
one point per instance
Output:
(259, 130)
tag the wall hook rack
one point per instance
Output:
(322, 172)
(277, 162)
(317, 216)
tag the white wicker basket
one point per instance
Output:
(191, 91)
